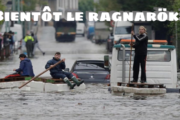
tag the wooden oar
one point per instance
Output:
(130, 55)
(39, 74)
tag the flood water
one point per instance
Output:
(93, 103)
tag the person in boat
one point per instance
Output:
(25, 68)
(141, 41)
(58, 73)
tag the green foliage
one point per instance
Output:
(175, 8)
(42, 2)
(107, 5)
(139, 5)
(86, 5)
(29, 5)
(2, 8)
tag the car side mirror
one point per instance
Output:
(106, 62)
(66, 69)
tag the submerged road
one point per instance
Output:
(94, 103)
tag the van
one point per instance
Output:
(80, 30)
(101, 32)
(121, 30)
(161, 64)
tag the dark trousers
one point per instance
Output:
(139, 60)
(62, 75)
(29, 48)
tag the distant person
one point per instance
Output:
(1, 40)
(29, 44)
(11, 41)
(140, 54)
(36, 44)
(6, 42)
(57, 72)
(25, 68)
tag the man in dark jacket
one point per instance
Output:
(140, 54)
(11, 41)
(57, 73)
(26, 68)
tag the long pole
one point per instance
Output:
(39, 74)
(130, 55)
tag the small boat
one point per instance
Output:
(39, 84)
(139, 88)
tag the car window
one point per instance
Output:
(152, 55)
(96, 66)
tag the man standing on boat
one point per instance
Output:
(140, 54)
(57, 71)
(25, 68)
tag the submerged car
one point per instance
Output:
(91, 71)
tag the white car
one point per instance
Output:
(80, 29)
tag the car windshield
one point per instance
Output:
(123, 30)
(89, 66)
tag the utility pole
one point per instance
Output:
(14, 5)
(176, 39)
(19, 11)
(177, 46)
(23, 27)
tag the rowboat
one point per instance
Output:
(39, 84)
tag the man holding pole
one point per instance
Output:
(57, 73)
(140, 54)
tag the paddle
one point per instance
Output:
(130, 55)
(39, 74)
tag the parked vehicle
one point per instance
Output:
(101, 32)
(90, 30)
(91, 71)
(80, 30)
(65, 30)
(121, 30)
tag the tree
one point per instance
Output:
(86, 5)
(30, 5)
(2, 8)
(161, 28)
(174, 27)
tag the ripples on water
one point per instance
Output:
(94, 103)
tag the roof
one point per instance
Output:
(149, 46)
